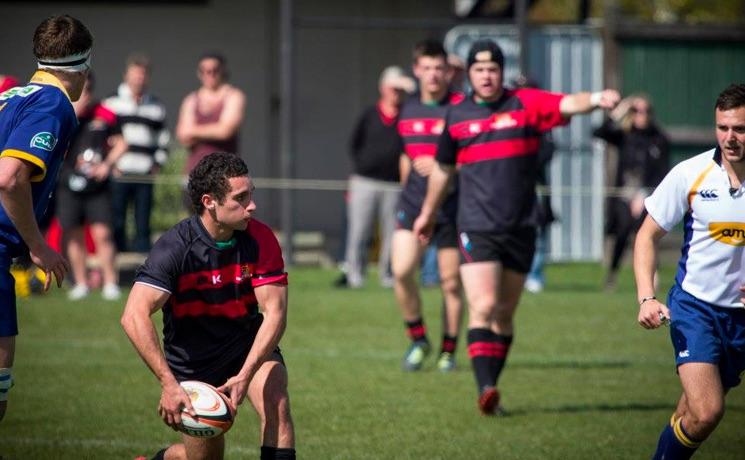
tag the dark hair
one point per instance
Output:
(429, 48)
(60, 36)
(216, 56)
(210, 176)
(732, 97)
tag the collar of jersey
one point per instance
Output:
(220, 245)
(46, 78)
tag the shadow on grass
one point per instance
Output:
(580, 408)
(570, 364)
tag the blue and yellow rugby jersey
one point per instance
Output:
(37, 122)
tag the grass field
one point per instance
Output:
(583, 382)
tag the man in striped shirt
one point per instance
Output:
(493, 138)
(143, 124)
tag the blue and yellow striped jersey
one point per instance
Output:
(37, 122)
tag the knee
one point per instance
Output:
(450, 284)
(709, 416)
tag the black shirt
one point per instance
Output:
(420, 126)
(208, 317)
(495, 146)
(376, 146)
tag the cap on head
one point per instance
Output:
(395, 77)
(485, 51)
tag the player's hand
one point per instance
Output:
(653, 314)
(173, 399)
(423, 227)
(51, 262)
(236, 387)
(423, 165)
(609, 99)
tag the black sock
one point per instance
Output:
(416, 330)
(448, 343)
(161, 455)
(276, 453)
(488, 352)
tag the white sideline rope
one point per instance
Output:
(335, 185)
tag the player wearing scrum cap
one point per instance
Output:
(493, 137)
(36, 124)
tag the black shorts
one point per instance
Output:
(218, 375)
(76, 209)
(445, 234)
(513, 249)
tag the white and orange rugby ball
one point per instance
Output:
(215, 413)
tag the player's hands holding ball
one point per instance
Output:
(652, 313)
(173, 399)
(236, 387)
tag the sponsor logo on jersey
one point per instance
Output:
(246, 272)
(418, 127)
(439, 127)
(709, 195)
(684, 354)
(465, 241)
(474, 128)
(21, 91)
(502, 121)
(732, 233)
(44, 140)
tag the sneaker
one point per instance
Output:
(79, 291)
(446, 362)
(489, 401)
(111, 291)
(415, 355)
(533, 285)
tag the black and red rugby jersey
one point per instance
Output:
(207, 318)
(495, 146)
(420, 126)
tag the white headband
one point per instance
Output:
(72, 63)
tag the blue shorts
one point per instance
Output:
(8, 318)
(704, 333)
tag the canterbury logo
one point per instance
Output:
(732, 233)
(708, 194)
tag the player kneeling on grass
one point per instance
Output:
(209, 274)
(705, 305)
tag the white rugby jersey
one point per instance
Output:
(712, 262)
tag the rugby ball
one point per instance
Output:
(215, 412)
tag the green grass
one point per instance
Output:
(584, 381)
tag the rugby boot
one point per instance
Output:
(489, 401)
(446, 362)
(415, 355)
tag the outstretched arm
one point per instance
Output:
(584, 102)
(143, 301)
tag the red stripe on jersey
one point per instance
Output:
(277, 279)
(232, 309)
(490, 349)
(421, 127)
(496, 150)
(105, 114)
(420, 150)
(213, 279)
(497, 121)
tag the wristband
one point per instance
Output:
(595, 98)
(644, 299)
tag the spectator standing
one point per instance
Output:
(143, 123)
(210, 117)
(374, 184)
(84, 192)
(643, 155)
